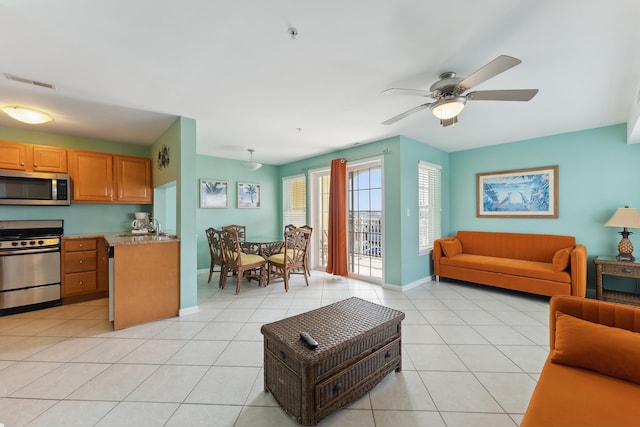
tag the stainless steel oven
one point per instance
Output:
(29, 264)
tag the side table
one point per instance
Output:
(613, 267)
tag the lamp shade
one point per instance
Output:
(27, 114)
(251, 165)
(448, 108)
(624, 217)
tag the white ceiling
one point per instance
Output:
(123, 70)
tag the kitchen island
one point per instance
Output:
(144, 277)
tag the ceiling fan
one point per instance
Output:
(448, 92)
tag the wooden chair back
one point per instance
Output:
(240, 229)
(215, 251)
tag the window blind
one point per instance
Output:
(294, 199)
(429, 205)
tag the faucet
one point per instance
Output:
(157, 226)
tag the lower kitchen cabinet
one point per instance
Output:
(146, 282)
(84, 269)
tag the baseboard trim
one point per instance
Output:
(404, 288)
(189, 310)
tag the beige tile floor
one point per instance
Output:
(471, 357)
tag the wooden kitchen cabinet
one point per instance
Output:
(146, 282)
(32, 158)
(84, 269)
(133, 179)
(92, 175)
(106, 178)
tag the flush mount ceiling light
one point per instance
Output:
(27, 114)
(251, 165)
(448, 108)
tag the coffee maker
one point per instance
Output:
(141, 223)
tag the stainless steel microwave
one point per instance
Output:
(34, 188)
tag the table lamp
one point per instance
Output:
(626, 218)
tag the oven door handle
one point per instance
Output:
(29, 251)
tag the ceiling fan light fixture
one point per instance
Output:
(448, 108)
(251, 165)
(27, 114)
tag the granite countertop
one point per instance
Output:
(128, 238)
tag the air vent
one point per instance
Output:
(29, 81)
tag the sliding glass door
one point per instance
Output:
(365, 218)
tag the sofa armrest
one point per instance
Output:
(438, 253)
(579, 271)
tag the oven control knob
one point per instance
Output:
(33, 242)
(23, 243)
(41, 242)
(14, 243)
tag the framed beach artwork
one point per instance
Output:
(214, 193)
(248, 195)
(518, 193)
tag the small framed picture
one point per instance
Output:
(214, 193)
(248, 195)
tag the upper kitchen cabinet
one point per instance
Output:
(133, 179)
(32, 158)
(92, 175)
(96, 175)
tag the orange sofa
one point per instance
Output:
(592, 374)
(542, 264)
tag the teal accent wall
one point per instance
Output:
(403, 264)
(261, 222)
(413, 266)
(70, 141)
(78, 218)
(598, 173)
(186, 195)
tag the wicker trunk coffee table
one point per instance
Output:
(358, 345)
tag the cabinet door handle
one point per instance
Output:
(81, 245)
(35, 165)
(627, 270)
(81, 261)
(21, 163)
(81, 282)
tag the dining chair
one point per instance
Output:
(215, 251)
(306, 258)
(292, 259)
(235, 260)
(240, 229)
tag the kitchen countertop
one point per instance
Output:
(128, 238)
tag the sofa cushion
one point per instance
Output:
(451, 247)
(574, 397)
(508, 266)
(561, 259)
(605, 349)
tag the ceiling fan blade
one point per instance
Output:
(502, 95)
(400, 91)
(499, 65)
(401, 116)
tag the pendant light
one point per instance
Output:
(251, 165)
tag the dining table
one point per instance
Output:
(265, 246)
